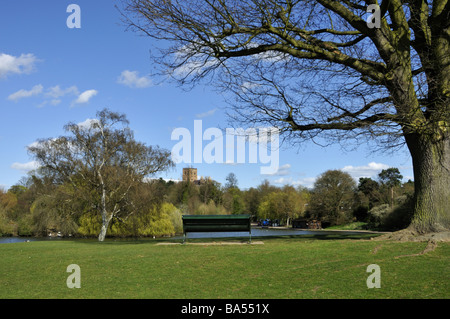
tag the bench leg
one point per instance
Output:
(184, 238)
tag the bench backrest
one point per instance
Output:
(216, 223)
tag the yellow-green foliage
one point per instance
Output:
(7, 227)
(25, 226)
(157, 221)
(90, 225)
(175, 217)
(210, 209)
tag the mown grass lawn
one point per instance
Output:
(281, 268)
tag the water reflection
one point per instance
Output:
(12, 240)
(8, 240)
(262, 232)
(256, 232)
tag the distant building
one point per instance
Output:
(189, 174)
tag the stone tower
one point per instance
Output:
(189, 174)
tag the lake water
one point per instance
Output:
(256, 232)
(7, 240)
(262, 232)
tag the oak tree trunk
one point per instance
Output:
(431, 161)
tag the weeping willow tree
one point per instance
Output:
(322, 69)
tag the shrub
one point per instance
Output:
(361, 213)
(46, 214)
(176, 218)
(7, 227)
(90, 225)
(158, 227)
(383, 217)
(25, 226)
(400, 216)
(158, 221)
(377, 215)
(210, 209)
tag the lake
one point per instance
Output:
(256, 232)
(262, 232)
(7, 240)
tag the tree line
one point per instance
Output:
(45, 202)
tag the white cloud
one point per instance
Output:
(56, 92)
(206, 114)
(283, 180)
(283, 170)
(231, 162)
(192, 62)
(52, 95)
(247, 86)
(87, 123)
(85, 97)
(16, 65)
(34, 144)
(370, 170)
(306, 182)
(25, 167)
(35, 90)
(132, 79)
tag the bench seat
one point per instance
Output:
(216, 223)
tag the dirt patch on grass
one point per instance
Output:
(375, 250)
(430, 247)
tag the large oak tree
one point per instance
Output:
(316, 69)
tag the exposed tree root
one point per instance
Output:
(430, 247)
(412, 235)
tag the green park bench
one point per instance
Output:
(216, 223)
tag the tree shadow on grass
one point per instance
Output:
(365, 236)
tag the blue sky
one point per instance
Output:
(51, 75)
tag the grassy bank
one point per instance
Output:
(351, 226)
(280, 268)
